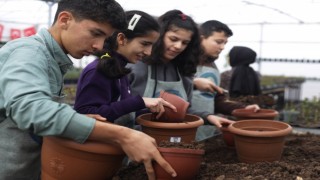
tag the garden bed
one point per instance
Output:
(300, 160)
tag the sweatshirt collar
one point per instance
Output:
(56, 51)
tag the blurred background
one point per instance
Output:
(284, 33)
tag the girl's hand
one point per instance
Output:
(218, 121)
(156, 105)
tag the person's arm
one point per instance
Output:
(204, 84)
(96, 94)
(27, 94)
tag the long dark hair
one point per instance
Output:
(111, 66)
(188, 59)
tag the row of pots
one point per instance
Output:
(256, 136)
(65, 159)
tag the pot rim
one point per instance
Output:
(170, 125)
(177, 150)
(237, 128)
(88, 146)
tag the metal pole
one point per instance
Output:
(50, 4)
(260, 48)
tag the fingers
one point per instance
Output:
(97, 117)
(156, 105)
(167, 104)
(218, 89)
(218, 121)
(161, 111)
(165, 165)
(149, 170)
(254, 107)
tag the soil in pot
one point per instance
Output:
(171, 131)
(300, 160)
(241, 114)
(264, 101)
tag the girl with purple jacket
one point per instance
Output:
(103, 87)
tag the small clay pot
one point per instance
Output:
(259, 140)
(186, 163)
(169, 115)
(173, 132)
(227, 135)
(243, 114)
(65, 159)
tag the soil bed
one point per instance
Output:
(300, 160)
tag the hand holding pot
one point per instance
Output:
(157, 105)
(181, 108)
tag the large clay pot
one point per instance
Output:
(65, 159)
(259, 140)
(241, 114)
(246, 114)
(186, 163)
(173, 132)
(169, 115)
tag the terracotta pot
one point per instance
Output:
(259, 140)
(169, 115)
(186, 162)
(246, 114)
(65, 159)
(243, 114)
(227, 135)
(173, 132)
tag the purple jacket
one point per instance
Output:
(110, 98)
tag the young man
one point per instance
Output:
(31, 80)
(207, 93)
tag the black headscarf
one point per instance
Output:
(244, 80)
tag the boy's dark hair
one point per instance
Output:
(208, 27)
(110, 66)
(188, 59)
(101, 11)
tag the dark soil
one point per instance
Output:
(300, 160)
(264, 101)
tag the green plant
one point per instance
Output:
(310, 110)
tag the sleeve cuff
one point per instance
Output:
(79, 128)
